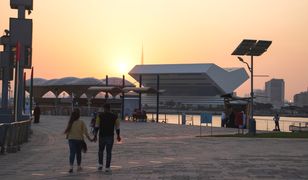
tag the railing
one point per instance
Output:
(262, 123)
(13, 135)
(284, 125)
(172, 118)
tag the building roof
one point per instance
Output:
(170, 68)
(74, 85)
(89, 81)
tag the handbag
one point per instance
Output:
(84, 146)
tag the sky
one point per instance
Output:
(95, 38)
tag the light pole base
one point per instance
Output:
(252, 127)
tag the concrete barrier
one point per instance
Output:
(13, 135)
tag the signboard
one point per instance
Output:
(5, 63)
(206, 118)
(21, 31)
(27, 3)
(4, 59)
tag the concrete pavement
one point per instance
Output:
(159, 151)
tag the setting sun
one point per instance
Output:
(121, 65)
(123, 68)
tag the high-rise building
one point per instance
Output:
(301, 99)
(274, 90)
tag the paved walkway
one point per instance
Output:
(159, 151)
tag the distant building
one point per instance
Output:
(301, 99)
(274, 90)
(261, 96)
(188, 84)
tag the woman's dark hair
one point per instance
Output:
(74, 117)
(107, 107)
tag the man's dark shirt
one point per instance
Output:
(37, 111)
(106, 122)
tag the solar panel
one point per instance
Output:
(259, 48)
(244, 47)
(251, 47)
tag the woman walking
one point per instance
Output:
(75, 131)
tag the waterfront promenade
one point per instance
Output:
(159, 151)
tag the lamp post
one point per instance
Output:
(251, 48)
(252, 123)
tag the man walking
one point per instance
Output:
(276, 119)
(106, 123)
(37, 113)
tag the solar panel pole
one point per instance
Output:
(252, 123)
(251, 120)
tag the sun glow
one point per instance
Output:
(121, 66)
(123, 69)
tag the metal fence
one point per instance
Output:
(285, 125)
(13, 135)
(262, 123)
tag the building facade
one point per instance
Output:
(190, 85)
(275, 91)
(261, 96)
(301, 99)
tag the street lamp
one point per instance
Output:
(251, 48)
(242, 60)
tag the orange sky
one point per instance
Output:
(92, 38)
